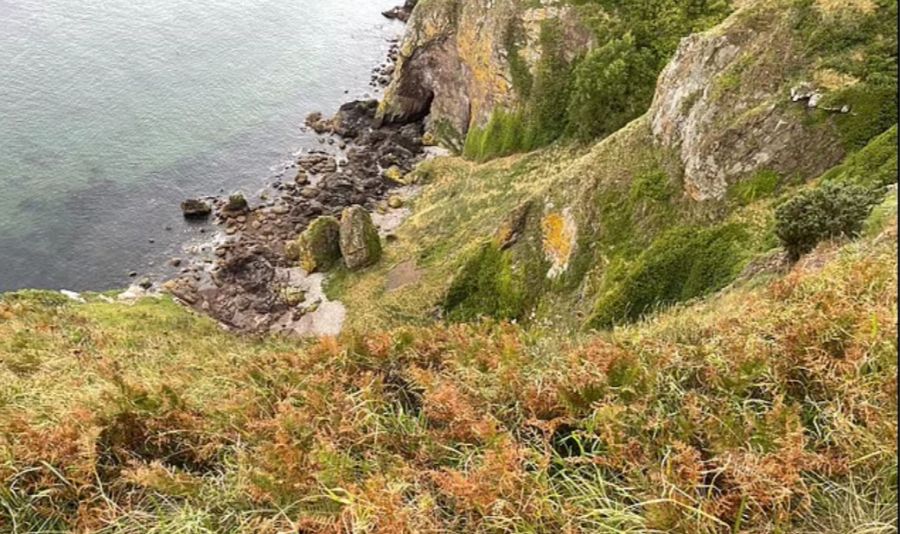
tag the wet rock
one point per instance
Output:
(359, 241)
(401, 13)
(317, 123)
(145, 283)
(353, 118)
(193, 208)
(235, 205)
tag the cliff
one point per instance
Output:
(458, 59)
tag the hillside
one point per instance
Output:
(651, 288)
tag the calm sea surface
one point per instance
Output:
(113, 111)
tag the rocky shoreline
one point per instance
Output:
(247, 279)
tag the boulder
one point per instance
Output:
(193, 208)
(360, 244)
(318, 123)
(318, 247)
(395, 201)
(235, 205)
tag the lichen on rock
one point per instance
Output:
(318, 247)
(359, 241)
(559, 237)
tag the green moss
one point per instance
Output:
(318, 247)
(486, 286)
(873, 108)
(881, 215)
(501, 284)
(681, 264)
(652, 186)
(506, 133)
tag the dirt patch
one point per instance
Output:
(403, 274)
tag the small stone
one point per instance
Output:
(132, 274)
(394, 174)
(145, 283)
(175, 262)
(395, 201)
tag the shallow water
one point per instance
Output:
(113, 112)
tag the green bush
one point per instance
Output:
(486, 286)
(612, 85)
(681, 264)
(835, 209)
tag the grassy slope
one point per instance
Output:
(771, 406)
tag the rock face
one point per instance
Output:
(318, 247)
(454, 60)
(723, 104)
(360, 244)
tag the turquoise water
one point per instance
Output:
(113, 111)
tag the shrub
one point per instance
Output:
(613, 85)
(835, 209)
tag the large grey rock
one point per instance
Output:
(360, 243)
(721, 104)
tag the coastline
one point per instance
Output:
(243, 276)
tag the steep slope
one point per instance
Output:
(766, 408)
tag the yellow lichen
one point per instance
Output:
(559, 232)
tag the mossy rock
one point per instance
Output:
(318, 247)
(394, 174)
(359, 240)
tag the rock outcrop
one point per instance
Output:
(454, 60)
(724, 104)
(318, 247)
(360, 243)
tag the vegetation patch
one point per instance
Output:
(679, 265)
(763, 409)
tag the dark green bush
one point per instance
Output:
(835, 209)
(681, 264)
(613, 84)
